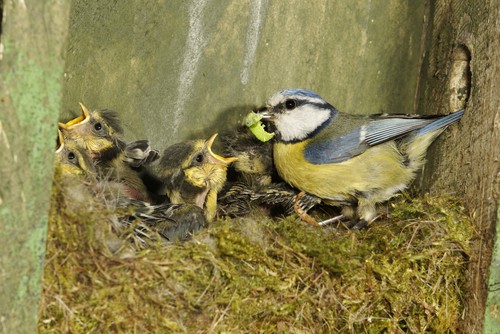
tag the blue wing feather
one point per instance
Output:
(380, 131)
(335, 151)
(377, 130)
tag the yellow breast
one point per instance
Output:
(378, 171)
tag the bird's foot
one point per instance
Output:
(303, 213)
(356, 225)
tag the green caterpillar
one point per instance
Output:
(252, 121)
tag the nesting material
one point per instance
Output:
(404, 273)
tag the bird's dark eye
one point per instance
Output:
(98, 126)
(199, 158)
(71, 156)
(290, 104)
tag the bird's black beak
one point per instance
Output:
(267, 113)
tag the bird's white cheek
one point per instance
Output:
(298, 124)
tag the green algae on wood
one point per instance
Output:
(31, 70)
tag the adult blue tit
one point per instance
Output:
(354, 161)
(192, 173)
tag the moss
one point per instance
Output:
(404, 273)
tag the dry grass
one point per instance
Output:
(404, 273)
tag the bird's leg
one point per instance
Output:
(365, 213)
(302, 213)
(332, 220)
(349, 212)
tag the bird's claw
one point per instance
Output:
(303, 213)
(356, 225)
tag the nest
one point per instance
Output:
(405, 273)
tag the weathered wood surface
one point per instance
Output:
(31, 67)
(178, 69)
(465, 161)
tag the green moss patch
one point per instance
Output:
(404, 273)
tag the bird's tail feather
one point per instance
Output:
(441, 123)
(415, 147)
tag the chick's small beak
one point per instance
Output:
(80, 119)
(62, 126)
(215, 158)
(60, 141)
(85, 110)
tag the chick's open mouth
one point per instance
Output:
(215, 158)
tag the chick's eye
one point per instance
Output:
(71, 156)
(290, 104)
(98, 126)
(199, 158)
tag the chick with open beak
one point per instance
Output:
(98, 131)
(100, 134)
(192, 173)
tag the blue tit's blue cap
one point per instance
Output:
(300, 92)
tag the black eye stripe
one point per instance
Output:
(299, 103)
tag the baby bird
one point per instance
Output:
(73, 160)
(99, 132)
(254, 179)
(172, 222)
(250, 173)
(347, 160)
(255, 158)
(192, 173)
